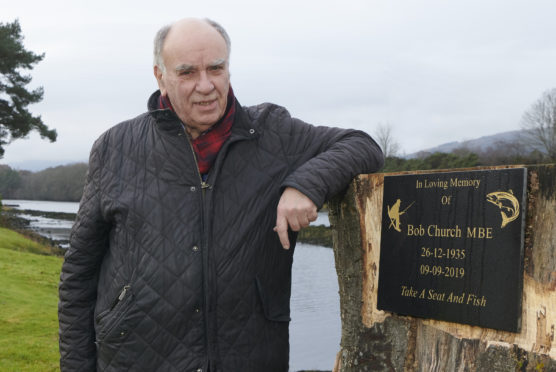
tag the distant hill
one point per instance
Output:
(480, 144)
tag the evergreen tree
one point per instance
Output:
(10, 181)
(15, 120)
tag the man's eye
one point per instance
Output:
(215, 68)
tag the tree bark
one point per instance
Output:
(375, 340)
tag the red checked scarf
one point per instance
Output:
(208, 144)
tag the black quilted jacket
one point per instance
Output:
(166, 273)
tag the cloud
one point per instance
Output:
(437, 71)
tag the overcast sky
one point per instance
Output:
(435, 70)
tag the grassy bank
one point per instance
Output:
(29, 275)
(28, 305)
(10, 219)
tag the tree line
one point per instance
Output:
(66, 182)
(62, 183)
(499, 153)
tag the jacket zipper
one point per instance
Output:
(115, 303)
(204, 250)
(120, 297)
(123, 293)
(204, 185)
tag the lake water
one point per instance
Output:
(51, 228)
(315, 328)
(45, 206)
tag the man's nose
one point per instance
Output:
(204, 84)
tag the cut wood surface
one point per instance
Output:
(374, 340)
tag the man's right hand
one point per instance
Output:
(295, 210)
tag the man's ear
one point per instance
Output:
(159, 79)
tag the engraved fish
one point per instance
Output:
(508, 204)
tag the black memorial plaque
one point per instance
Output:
(452, 246)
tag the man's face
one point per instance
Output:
(197, 78)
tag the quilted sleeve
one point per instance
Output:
(79, 276)
(324, 160)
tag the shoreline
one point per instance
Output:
(10, 219)
(316, 235)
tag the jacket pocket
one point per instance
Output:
(276, 304)
(116, 322)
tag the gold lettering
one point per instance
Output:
(408, 292)
(455, 298)
(415, 231)
(476, 301)
(455, 182)
(438, 183)
(479, 232)
(434, 296)
(444, 232)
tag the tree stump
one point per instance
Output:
(375, 340)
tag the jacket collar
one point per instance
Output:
(168, 121)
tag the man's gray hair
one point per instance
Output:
(161, 35)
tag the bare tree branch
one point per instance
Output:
(540, 124)
(386, 141)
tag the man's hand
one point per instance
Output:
(294, 210)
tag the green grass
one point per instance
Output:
(28, 305)
(10, 239)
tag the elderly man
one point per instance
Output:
(179, 258)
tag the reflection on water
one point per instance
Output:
(315, 328)
(315, 311)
